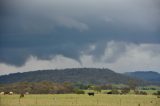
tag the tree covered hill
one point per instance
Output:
(83, 75)
(145, 75)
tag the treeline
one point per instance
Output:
(47, 87)
(44, 87)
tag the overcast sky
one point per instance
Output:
(123, 35)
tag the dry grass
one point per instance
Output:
(79, 100)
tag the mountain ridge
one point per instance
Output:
(84, 75)
(151, 76)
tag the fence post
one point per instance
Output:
(76, 100)
(19, 100)
(0, 100)
(36, 100)
(97, 102)
(54, 99)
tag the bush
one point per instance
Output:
(78, 91)
(97, 88)
(143, 93)
(114, 91)
(136, 92)
(140, 92)
(125, 90)
(157, 93)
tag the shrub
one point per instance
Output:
(140, 92)
(125, 90)
(136, 92)
(79, 91)
(157, 93)
(115, 91)
(143, 93)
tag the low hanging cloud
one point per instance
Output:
(33, 63)
(72, 29)
(135, 57)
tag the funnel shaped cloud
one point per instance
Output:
(48, 28)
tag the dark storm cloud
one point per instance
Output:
(46, 28)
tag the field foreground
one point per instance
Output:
(79, 100)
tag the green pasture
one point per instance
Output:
(79, 100)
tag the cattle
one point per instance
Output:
(2, 93)
(10, 93)
(109, 92)
(21, 95)
(91, 93)
(27, 93)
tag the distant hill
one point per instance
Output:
(145, 75)
(84, 75)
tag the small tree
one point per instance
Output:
(79, 91)
(143, 93)
(132, 84)
(97, 89)
(125, 90)
(157, 93)
(140, 92)
(115, 91)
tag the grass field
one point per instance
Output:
(79, 100)
(150, 92)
